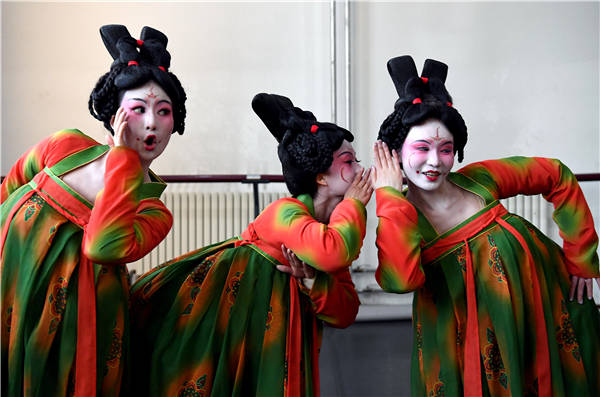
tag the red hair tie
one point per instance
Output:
(314, 128)
(416, 100)
(425, 79)
(132, 63)
(449, 104)
(162, 68)
(139, 42)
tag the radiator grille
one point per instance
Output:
(203, 218)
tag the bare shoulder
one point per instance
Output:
(88, 179)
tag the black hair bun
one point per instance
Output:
(135, 63)
(305, 147)
(421, 98)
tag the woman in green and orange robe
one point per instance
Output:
(74, 212)
(492, 310)
(223, 320)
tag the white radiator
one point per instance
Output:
(537, 211)
(200, 219)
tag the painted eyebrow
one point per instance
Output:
(343, 153)
(143, 100)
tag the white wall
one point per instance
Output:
(523, 75)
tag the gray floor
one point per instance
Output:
(367, 359)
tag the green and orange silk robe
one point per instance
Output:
(223, 321)
(64, 290)
(491, 308)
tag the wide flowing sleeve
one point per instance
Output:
(551, 178)
(45, 153)
(334, 298)
(122, 228)
(398, 243)
(326, 247)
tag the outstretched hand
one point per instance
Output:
(361, 187)
(120, 129)
(578, 287)
(296, 267)
(386, 169)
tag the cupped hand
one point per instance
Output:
(386, 168)
(296, 267)
(579, 285)
(361, 187)
(120, 129)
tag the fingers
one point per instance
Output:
(574, 282)
(296, 267)
(373, 171)
(388, 155)
(109, 140)
(367, 176)
(376, 158)
(396, 160)
(285, 269)
(590, 288)
(309, 272)
(363, 178)
(358, 177)
(580, 289)
(384, 154)
(120, 127)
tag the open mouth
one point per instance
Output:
(432, 175)
(150, 142)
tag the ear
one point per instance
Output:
(321, 180)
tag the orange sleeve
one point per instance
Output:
(334, 298)
(327, 247)
(398, 243)
(555, 181)
(122, 228)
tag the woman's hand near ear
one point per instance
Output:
(119, 126)
(361, 187)
(386, 170)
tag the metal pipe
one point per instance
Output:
(333, 61)
(347, 59)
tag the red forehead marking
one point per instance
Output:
(151, 94)
(437, 134)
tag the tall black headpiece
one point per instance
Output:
(421, 98)
(135, 63)
(306, 145)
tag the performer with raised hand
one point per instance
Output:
(228, 319)
(492, 312)
(74, 212)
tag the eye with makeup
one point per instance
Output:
(448, 148)
(138, 109)
(164, 112)
(420, 147)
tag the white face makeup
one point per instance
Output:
(343, 169)
(149, 119)
(428, 155)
